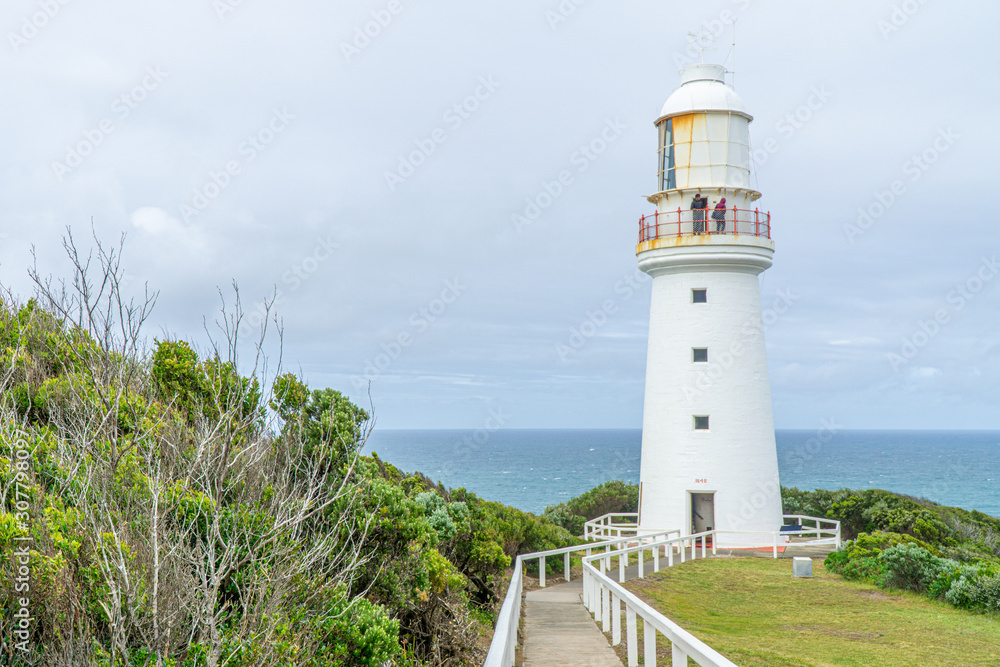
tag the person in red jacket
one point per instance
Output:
(719, 215)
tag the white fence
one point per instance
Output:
(611, 527)
(604, 598)
(504, 644)
(606, 528)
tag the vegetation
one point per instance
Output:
(900, 542)
(753, 612)
(170, 508)
(612, 496)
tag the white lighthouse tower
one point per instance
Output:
(708, 451)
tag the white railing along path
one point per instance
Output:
(604, 597)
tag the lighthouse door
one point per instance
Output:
(702, 512)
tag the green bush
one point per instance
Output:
(873, 544)
(987, 594)
(912, 568)
(613, 496)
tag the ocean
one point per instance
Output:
(530, 469)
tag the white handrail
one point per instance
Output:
(604, 527)
(504, 644)
(604, 597)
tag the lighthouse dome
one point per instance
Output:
(703, 88)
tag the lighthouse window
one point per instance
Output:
(700, 355)
(699, 296)
(668, 178)
(701, 423)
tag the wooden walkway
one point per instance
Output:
(558, 630)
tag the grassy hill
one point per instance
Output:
(753, 612)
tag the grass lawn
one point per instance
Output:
(753, 612)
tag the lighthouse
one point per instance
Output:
(708, 452)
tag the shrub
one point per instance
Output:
(562, 515)
(873, 544)
(611, 496)
(987, 594)
(867, 569)
(912, 568)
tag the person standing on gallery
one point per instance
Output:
(698, 206)
(719, 215)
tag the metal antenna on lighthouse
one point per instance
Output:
(699, 41)
(731, 59)
(734, 54)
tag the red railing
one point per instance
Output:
(710, 221)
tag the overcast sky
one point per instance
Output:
(373, 179)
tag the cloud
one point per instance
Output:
(158, 223)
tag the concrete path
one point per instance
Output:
(559, 631)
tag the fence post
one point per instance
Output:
(714, 543)
(631, 640)
(704, 546)
(678, 658)
(606, 610)
(649, 639)
(566, 564)
(594, 604)
(775, 545)
(656, 559)
(621, 569)
(541, 572)
(642, 573)
(616, 620)
(670, 555)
